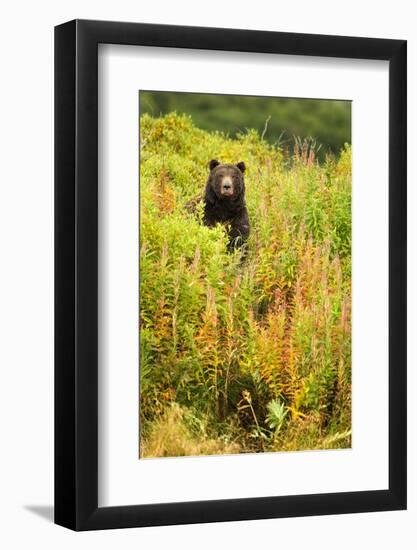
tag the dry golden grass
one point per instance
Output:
(170, 436)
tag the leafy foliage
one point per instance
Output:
(276, 119)
(257, 352)
(276, 415)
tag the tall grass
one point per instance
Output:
(253, 355)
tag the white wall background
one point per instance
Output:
(26, 272)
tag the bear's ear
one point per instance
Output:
(241, 166)
(213, 163)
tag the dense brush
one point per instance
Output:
(256, 352)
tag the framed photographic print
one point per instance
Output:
(230, 254)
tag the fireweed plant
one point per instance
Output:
(243, 355)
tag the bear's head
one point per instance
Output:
(225, 182)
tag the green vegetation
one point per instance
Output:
(253, 355)
(279, 119)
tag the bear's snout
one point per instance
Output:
(226, 187)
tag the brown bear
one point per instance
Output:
(224, 201)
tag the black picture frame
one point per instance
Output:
(76, 272)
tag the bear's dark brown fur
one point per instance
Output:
(224, 201)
